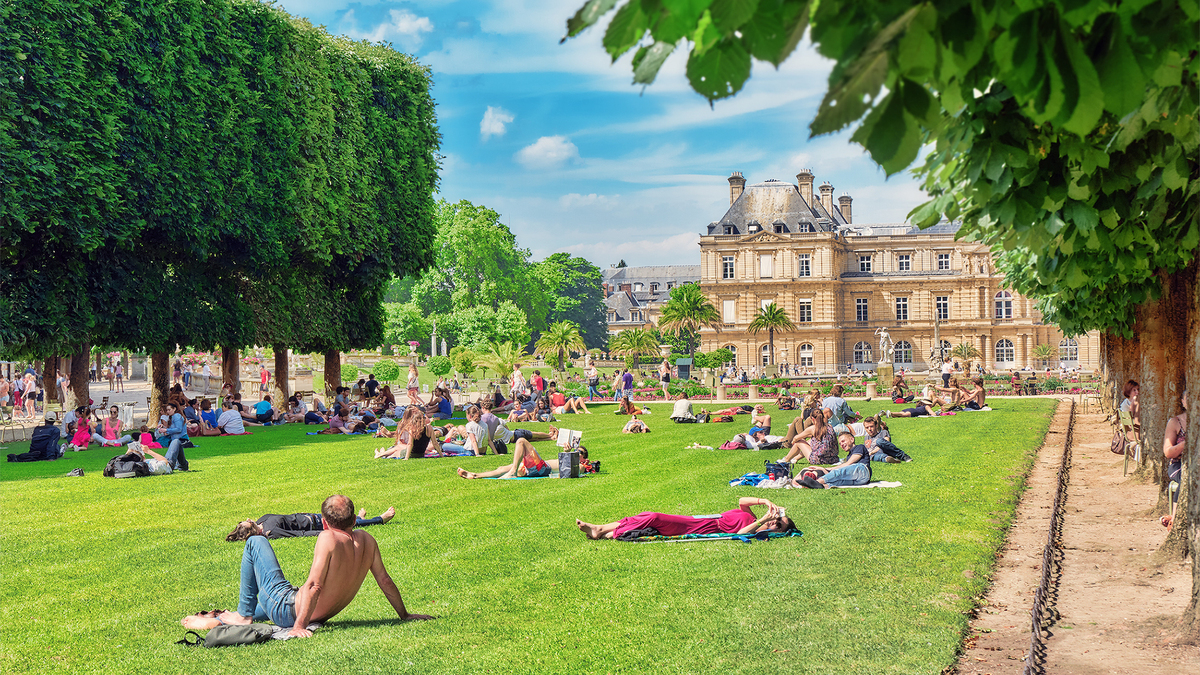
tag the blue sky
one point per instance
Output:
(575, 158)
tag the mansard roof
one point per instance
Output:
(775, 201)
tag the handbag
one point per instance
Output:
(780, 469)
(593, 381)
(1118, 443)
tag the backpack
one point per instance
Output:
(228, 636)
(733, 445)
(780, 469)
(126, 466)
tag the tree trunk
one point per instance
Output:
(281, 374)
(1190, 621)
(160, 381)
(99, 366)
(231, 368)
(50, 379)
(80, 370)
(333, 372)
(1163, 325)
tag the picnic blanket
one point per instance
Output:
(764, 481)
(553, 475)
(317, 433)
(744, 538)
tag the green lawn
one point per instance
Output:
(97, 572)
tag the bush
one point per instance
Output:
(463, 360)
(439, 365)
(387, 371)
(349, 373)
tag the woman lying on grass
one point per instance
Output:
(526, 463)
(738, 521)
(628, 408)
(274, 526)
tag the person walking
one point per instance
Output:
(119, 372)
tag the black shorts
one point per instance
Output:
(945, 379)
(313, 418)
(522, 433)
(972, 405)
(264, 417)
(919, 411)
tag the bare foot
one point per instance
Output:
(592, 531)
(362, 513)
(463, 473)
(389, 514)
(201, 620)
(235, 619)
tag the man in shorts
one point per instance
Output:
(264, 377)
(526, 464)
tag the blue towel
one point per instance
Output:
(750, 479)
(744, 538)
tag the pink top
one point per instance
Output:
(148, 441)
(110, 432)
(83, 436)
(669, 525)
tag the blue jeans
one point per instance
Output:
(175, 456)
(264, 593)
(457, 449)
(592, 391)
(855, 474)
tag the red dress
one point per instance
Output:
(730, 522)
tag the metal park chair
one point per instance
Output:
(9, 423)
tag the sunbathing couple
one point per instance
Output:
(417, 438)
(341, 559)
(738, 521)
(947, 398)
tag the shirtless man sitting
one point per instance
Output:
(341, 559)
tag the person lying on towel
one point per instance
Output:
(738, 521)
(526, 464)
(341, 559)
(854, 470)
(274, 526)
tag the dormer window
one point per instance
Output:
(653, 288)
(754, 227)
(637, 288)
(780, 229)
(729, 229)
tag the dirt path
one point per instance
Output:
(1116, 607)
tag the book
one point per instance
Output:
(568, 438)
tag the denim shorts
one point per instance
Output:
(540, 472)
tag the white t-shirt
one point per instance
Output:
(503, 434)
(207, 370)
(230, 422)
(947, 368)
(158, 467)
(480, 432)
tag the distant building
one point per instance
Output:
(840, 282)
(634, 296)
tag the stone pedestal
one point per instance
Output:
(720, 392)
(886, 373)
(771, 371)
(872, 390)
(754, 393)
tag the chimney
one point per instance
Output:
(627, 287)
(736, 185)
(804, 180)
(844, 203)
(827, 197)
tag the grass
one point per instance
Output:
(98, 571)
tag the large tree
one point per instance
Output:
(573, 294)
(1064, 134)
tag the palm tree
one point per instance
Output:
(633, 342)
(502, 356)
(966, 352)
(560, 339)
(771, 318)
(1044, 353)
(687, 312)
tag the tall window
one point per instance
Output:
(727, 267)
(763, 303)
(653, 288)
(635, 315)
(729, 229)
(766, 355)
(766, 266)
(860, 309)
(804, 311)
(729, 311)
(903, 352)
(904, 262)
(946, 349)
(805, 266)
(806, 355)
(732, 350)
(1005, 352)
(1068, 350)
(864, 263)
(943, 307)
(902, 309)
(1004, 305)
(862, 352)
(943, 261)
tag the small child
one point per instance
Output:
(81, 434)
(147, 439)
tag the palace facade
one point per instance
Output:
(634, 296)
(840, 282)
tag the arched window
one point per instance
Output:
(806, 355)
(903, 352)
(1004, 305)
(732, 350)
(1005, 352)
(766, 355)
(1068, 350)
(862, 352)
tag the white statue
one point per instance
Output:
(886, 348)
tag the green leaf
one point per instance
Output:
(625, 30)
(1170, 71)
(1082, 215)
(1120, 75)
(706, 34)
(1175, 174)
(721, 71)
(925, 215)
(586, 16)
(920, 104)
(895, 136)
(676, 19)
(729, 15)
(1084, 112)
(775, 29)
(849, 97)
(918, 52)
(649, 60)
(1016, 51)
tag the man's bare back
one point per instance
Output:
(350, 555)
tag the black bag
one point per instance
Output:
(780, 469)
(230, 636)
(634, 535)
(126, 466)
(593, 381)
(771, 445)
(702, 418)
(568, 464)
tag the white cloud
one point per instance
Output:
(593, 200)
(494, 122)
(402, 27)
(547, 153)
(678, 249)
